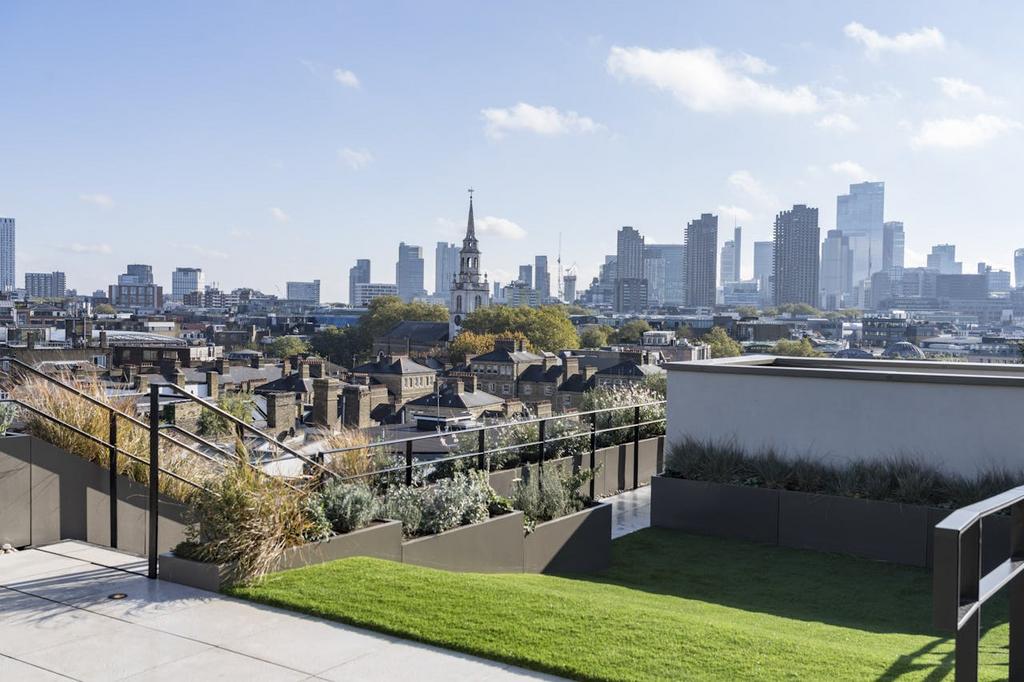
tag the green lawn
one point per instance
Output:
(672, 607)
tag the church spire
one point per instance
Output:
(470, 225)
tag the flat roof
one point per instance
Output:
(913, 371)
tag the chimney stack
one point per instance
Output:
(213, 385)
(325, 402)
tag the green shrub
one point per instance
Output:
(463, 499)
(555, 495)
(903, 479)
(8, 413)
(349, 506)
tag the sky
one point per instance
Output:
(267, 142)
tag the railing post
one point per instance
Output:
(968, 636)
(481, 444)
(154, 475)
(1016, 671)
(593, 452)
(408, 462)
(636, 447)
(112, 463)
(541, 428)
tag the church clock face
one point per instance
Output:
(458, 320)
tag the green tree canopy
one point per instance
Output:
(470, 343)
(595, 336)
(104, 309)
(798, 349)
(547, 328)
(722, 345)
(287, 346)
(799, 309)
(746, 311)
(631, 332)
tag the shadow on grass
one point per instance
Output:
(797, 584)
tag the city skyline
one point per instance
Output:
(316, 130)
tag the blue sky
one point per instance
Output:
(274, 141)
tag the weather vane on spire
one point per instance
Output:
(471, 190)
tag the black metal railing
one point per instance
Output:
(959, 589)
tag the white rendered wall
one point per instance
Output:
(961, 428)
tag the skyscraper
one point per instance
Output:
(737, 242)
(764, 256)
(446, 266)
(701, 242)
(357, 274)
(7, 244)
(796, 256)
(409, 272)
(526, 275)
(45, 284)
(186, 281)
(836, 269)
(654, 273)
(943, 259)
(731, 254)
(672, 282)
(542, 278)
(893, 241)
(569, 288)
(469, 291)
(1018, 268)
(859, 216)
(630, 283)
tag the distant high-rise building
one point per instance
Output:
(737, 240)
(654, 273)
(997, 281)
(7, 246)
(859, 215)
(796, 256)
(45, 284)
(446, 267)
(304, 292)
(542, 278)
(526, 275)
(409, 272)
(569, 288)
(701, 242)
(764, 256)
(893, 241)
(730, 261)
(672, 283)
(1018, 268)
(358, 274)
(943, 259)
(630, 282)
(836, 269)
(135, 289)
(364, 292)
(185, 281)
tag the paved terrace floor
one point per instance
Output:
(57, 622)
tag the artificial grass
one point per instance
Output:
(672, 607)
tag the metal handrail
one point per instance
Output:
(490, 427)
(959, 589)
(243, 425)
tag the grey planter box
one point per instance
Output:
(494, 546)
(48, 494)
(382, 540)
(617, 465)
(883, 531)
(729, 511)
(578, 543)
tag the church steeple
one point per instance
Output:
(470, 225)
(469, 292)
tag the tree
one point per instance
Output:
(337, 345)
(746, 311)
(799, 309)
(595, 336)
(104, 309)
(547, 328)
(722, 345)
(470, 343)
(797, 349)
(287, 346)
(631, 332)
(238, 405)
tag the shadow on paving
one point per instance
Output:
(797, 584)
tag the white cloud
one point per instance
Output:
(839, 123)
(346, 78)
(355, 158)
(499, 227)
(279, 215)
(736, 212)
(962, 133)
(957, 88)
(747, 183)
(101, 200)
(851, 169)
(86, 248)
(875, 43)
(543, 120)
(703, 81)
(203, 251)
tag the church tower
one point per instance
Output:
(469, 291)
